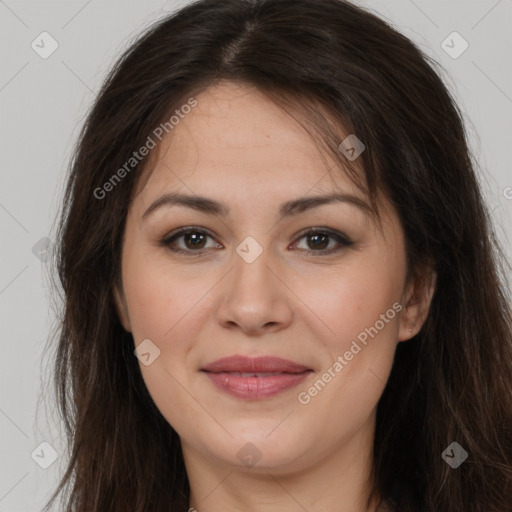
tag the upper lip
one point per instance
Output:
(262, 364)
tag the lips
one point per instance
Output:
(257, 377)
(264, 364)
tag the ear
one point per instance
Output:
(416, 304)
(121, 307)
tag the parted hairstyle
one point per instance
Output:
(335, 65)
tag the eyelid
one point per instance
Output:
(343, 240)
(324, 230)
(177, 233)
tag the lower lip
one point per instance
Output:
(256, 387)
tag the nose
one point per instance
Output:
(254, 297)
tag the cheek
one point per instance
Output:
(165, 306)
(160, 295)
(361, 306)
(350, 300)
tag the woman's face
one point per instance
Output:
(252, 281)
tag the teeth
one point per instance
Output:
(252, 374)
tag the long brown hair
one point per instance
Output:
(451, 383)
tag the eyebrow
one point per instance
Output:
(287, 209)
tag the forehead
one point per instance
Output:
(237, 139)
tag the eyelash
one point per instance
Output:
(340, 238)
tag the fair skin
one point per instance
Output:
(240, 149)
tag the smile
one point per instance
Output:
(255, 378)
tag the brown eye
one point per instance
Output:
(318, 240)
(194, 240)
(188, 240)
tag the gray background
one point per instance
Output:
(42, 103)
